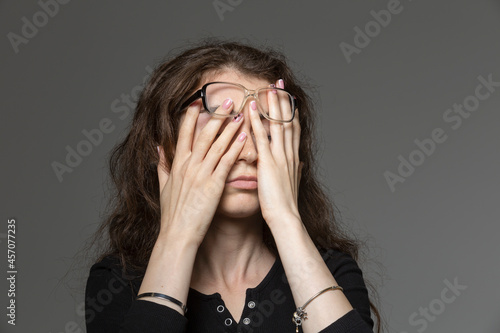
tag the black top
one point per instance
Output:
(110, 304)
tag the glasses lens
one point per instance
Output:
(284, 112)
(217, 93)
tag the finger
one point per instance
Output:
(296, 136)
(275, 127)
(274, 112)
(301, 166)
(297, 164)
(299, 177)
(228, 159)
(185, 140)
(220, 146)
(161, 169)
(259, 131)
(208, 133)
(286, 111)
(287, 127)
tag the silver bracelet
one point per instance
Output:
(300, 315)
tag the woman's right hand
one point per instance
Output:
(191, 191)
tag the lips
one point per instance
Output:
(243, 182)
(243, 177)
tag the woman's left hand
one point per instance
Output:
(278, 164)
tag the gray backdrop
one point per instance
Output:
(407, 120)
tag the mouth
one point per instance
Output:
(243, 182)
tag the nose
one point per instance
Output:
(249, 151)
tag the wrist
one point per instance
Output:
(175, 244)
(287, 228)
(173, 234)
(285, 220)
(169, 269)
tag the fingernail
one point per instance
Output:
(158, 148)
(281, 84)
(227, 103)
(273, 86)
(242, 136)
(253, 105)
(238, 117)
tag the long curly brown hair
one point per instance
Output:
(133, 223)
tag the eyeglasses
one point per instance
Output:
(213, 94)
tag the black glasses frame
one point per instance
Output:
(202, 93)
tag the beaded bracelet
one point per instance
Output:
(166, 297)
(300, 315)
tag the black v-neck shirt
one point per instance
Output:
(110, 304)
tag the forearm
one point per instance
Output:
(308, 274)
(169, 271)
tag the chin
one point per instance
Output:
(239, 205)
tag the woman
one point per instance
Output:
(208, 213)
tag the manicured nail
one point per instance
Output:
(242, 136)
(238, 117)
(273, 86)
(227, 103)
(158, 148)
(281, 84)
(253, 105)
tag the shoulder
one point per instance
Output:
(106, 267)
(109, 274)
(113, 264)
(108, 263)
(109, 295)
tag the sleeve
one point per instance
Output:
(348, 275)
(110, 306)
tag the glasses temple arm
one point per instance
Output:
(191, 99)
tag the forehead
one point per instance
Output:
(233, 76)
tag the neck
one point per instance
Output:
(231, 255)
